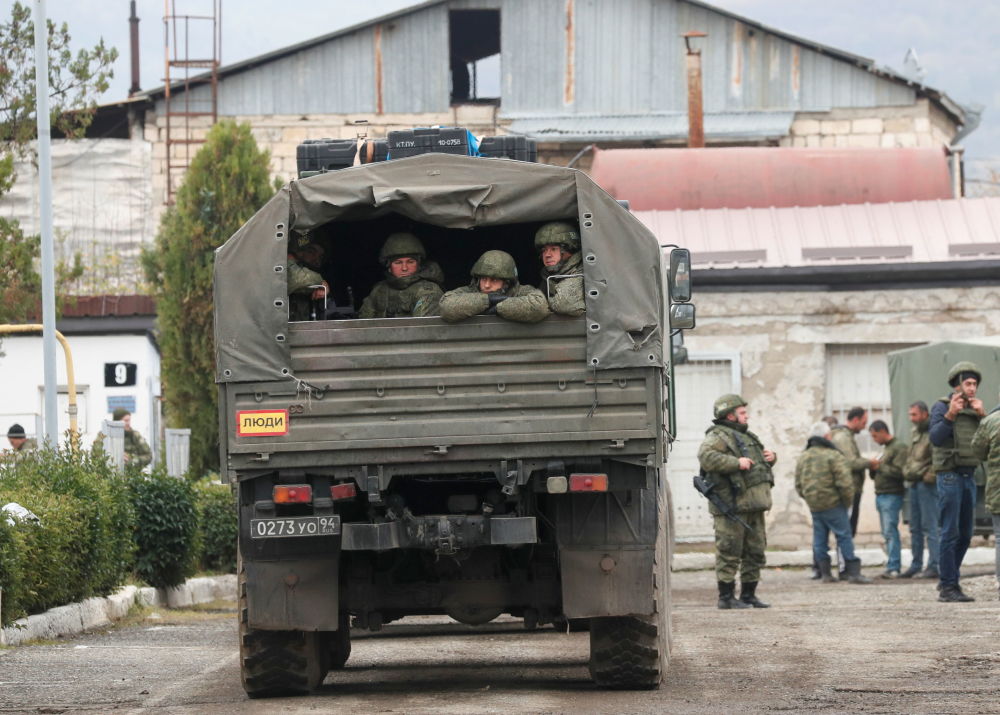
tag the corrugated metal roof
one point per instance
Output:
(663, 126)
(911, 232)
(623, 58)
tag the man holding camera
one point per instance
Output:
(954, 421)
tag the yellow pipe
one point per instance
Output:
(70, 378)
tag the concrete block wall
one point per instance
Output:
(917, 125)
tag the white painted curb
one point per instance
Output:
(99, 612)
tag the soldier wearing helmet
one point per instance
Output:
(558, 247)
(494, 289)
(735, 463)
(954, 421)
(412, 285)
(305, 284)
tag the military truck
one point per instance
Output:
(395, 467)
(920, 373)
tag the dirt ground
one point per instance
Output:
(837, 648)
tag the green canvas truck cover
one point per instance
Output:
(621, 258)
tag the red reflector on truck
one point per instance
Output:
(588, 482)
(293, 494)
(343, 491)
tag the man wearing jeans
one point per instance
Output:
(986, 446)
(824, 480)
(889, 492)
(922, 487)
(954, 421)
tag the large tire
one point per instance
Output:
(277, 663)
(633, 652)
(338, 643)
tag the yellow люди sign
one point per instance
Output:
(261, 423)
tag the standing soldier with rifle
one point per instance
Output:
(737, 469)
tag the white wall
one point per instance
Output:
(21, 380)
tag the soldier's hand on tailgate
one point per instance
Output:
(745, 463)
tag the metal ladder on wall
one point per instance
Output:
(191, 95)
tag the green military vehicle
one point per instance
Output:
(920, 373)
(396, 467)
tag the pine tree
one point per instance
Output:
(226, 183)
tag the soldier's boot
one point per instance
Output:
(854, 572)
(726, 598)
(748, 595)
(826, 571)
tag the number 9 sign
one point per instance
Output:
(119, 374)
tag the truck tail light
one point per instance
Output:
(343, 491)
(293, 494)
(588, 482)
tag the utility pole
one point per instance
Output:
(45, 221)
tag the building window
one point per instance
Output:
(474, 56)
(858, 376)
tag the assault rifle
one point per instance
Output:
(707, 490)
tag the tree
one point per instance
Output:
(74, 84)
(225, 185)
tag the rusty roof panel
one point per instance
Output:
(738, 177)
(909, 232)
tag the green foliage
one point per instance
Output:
(83, 544)
(74, 84)
(217, 526)
(166, 523)
(225, 185)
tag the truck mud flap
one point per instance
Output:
(444, 534)
(607, 582)
(293, 595)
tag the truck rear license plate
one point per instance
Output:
(294, 526)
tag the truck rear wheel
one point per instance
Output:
(338, 643)
(633, 652)
(275, 663)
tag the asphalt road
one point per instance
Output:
(886, 648)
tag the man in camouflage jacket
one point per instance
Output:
(137, 451)
(494, 290)
(301, 269)
(823, 480)
(558, 247)
(921, 483)
(738, 467)
(986, 446)
(889, 492)
(842, 437)
(412, 285)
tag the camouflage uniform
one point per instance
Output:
(822, 478)
(918, 460)
(410, 296)
(565, 295)
(136, 450)
(520, 303)
(748, 491)
(921, 481)
(986, 446)
(843, 439)
(299, 293)
(889, 476)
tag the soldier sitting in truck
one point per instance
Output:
(303, 278)
(412, 286)
(558, 247)
(495, 290)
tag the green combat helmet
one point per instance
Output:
(398, 245)
(965, 366)
(558, 233)
(495, 264)
(726, 404)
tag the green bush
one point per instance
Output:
(165, 528)
(83, 546)
(217, 526)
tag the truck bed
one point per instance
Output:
(417, 391)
